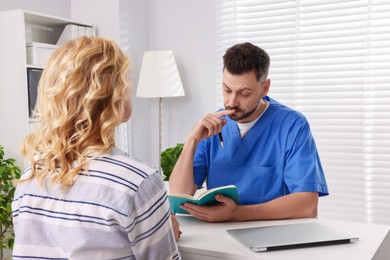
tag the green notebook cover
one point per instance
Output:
(206, 198)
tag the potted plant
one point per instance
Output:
(8, 171)
(169, 158)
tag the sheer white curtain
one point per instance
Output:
(330, 59)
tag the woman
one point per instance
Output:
(81, 197)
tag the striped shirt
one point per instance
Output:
(119, 210)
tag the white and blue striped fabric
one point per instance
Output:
(119, 210)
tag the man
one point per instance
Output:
(268, 151)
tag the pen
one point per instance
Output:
(220, 138)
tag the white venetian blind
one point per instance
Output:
(330, 59)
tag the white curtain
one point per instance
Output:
(330, 59)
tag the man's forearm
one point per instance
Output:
(181, 180)
(297, 205)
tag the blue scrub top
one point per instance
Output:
(277, 156)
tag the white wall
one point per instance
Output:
(103, 14)
(60, 8)
(185, 26)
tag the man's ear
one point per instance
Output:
(266, 86)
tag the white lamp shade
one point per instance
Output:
(159, 76)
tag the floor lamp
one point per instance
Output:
(159, 78)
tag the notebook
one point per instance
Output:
(288, 236)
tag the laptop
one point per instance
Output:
(268, 238)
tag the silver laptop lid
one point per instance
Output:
(289, 236)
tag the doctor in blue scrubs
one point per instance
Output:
(268, 150)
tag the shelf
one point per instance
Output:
(48, 20)
(47, 29)
(31, 66)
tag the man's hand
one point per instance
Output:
(211, 124)
(224, 211)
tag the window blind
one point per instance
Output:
(330, 59)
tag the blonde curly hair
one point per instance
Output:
(82, 96)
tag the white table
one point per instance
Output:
(205, 241)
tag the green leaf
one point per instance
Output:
(169, 158)
(8, 171)
(11, 241)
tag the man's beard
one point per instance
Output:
(238, 110)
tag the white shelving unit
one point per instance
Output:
(18, 28)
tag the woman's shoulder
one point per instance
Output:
(120, 164)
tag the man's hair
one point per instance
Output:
(246, 57)
(81, 99)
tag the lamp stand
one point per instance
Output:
(160, 110)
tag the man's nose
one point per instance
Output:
(232, 101)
